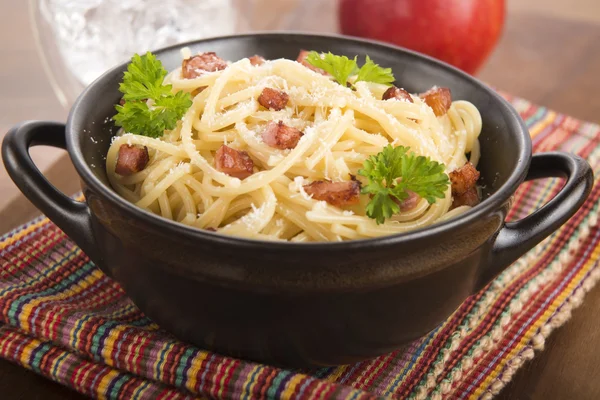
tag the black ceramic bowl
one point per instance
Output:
(295, 304)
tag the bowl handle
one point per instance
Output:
(72, 216)
(517, 237)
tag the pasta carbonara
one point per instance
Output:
(271, 150)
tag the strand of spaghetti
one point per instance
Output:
(403, 109)
(377, 89)
(238, 97)
(471, 119)
(214, 213)
(135, 178)
(277, 227)
(433, 213)
(413, 214)
(331, 99)
(197, 187)
(308, 173)
(218, 137)
(296, 198)
(324, 125)
(205, 80)
(326, 218)
(290, 230)
(367, 150)
(454, 213)
(301, 238)
(346, 232)
(429, 124)
(351, 156)
(366, 137)
(121, 189)
(255, 221)
(344, 171)
(261, 236)
(186, 197)
(344, 145)
(458, 158)
(306, 113)
(363, 91)
(256, 147)
(299, 76)
(175, 200)
(419, 144)
(368, 125)
(443, 126)
(260, 117)
(162, 186)
(335, 135)
(315, 231)
(165, 206)
(210, 146)
(239, 68)
(330, 171)
(131, 139)
(188, 219)
(156, 171)
(238, 205)
(194, 155)
(475, 153)
(240, 112)
(154, 208)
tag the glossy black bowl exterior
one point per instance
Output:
(300, 305)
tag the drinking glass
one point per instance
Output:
(80, 39)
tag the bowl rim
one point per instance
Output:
(490, 204)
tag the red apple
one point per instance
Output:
(461, 32)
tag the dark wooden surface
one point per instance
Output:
(548, 55)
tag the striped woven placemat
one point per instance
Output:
(66, 320)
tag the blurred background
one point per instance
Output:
(547, 51)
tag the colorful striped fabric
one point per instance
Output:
(64, 319)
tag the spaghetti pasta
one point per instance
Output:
(339, 128)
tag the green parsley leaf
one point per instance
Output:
(143, 81)
(340, 67)
(371, 72)
(394, 171)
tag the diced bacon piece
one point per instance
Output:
(410, 202)
(468, 198)
(257, 60)
(397, 93)
(439, 99)
(273, 99)
(338, 194)
(122, 101)
(281, 136)
(197, 65)
(463, 178)
(233, 162)
(131, 159)
(302, 60)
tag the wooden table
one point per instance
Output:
(549, 54)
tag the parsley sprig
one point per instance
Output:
(143, 81)
(343, 68)
(394, 171)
